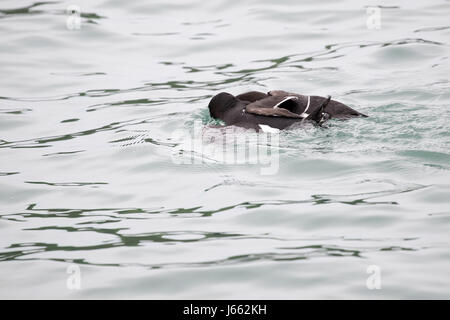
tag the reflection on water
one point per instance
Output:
(87, 178)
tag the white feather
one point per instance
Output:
(268, 129)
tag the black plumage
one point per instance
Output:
(277, 109)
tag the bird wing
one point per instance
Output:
(280, 109)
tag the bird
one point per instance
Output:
(276, 109)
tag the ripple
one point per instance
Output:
(286, 254)
(8, 173)
(67, 184)
(43, 142)
(87, 175)
(430, 29)
(26, 10)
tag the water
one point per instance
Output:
(89, 186)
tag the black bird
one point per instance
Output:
(277, 109)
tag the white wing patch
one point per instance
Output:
(305, 114)
(268, 129)
(284, 100)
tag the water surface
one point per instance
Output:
(88, 178)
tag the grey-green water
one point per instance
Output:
(87, 176)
